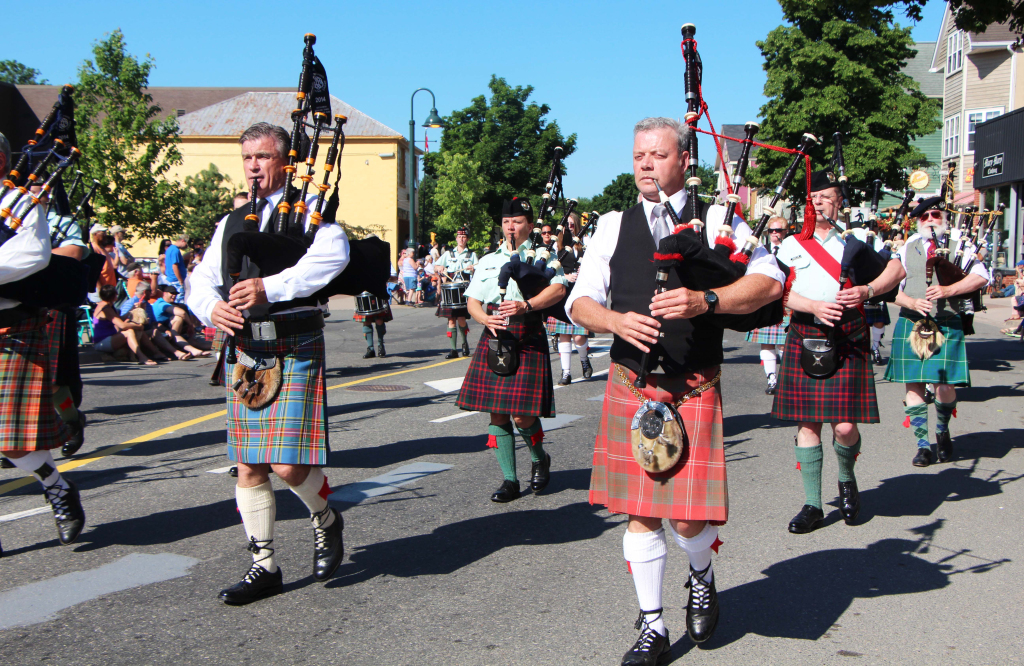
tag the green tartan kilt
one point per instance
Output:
(947, 366)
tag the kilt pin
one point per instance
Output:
(695, 489)
(848, 396)
(28, 421)
(529, 392)
(947, 366)
(770, 335)
(293, 428)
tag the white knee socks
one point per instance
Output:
(565, 355)
(313, 492)
(259, 509)
(876, 336)
(769, 361)
(698, 548)
(583, 349)
(41, 465)
(646, 553)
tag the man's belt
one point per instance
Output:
(274, 329)
(806, 318)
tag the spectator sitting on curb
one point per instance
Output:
(111, 333)
(175, 321)
(140, 301)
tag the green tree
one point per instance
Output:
(838, 67)
(971, 15)
(12, 71)
(459, 196)
(206, 199)
(124, 143)
(621, 193)
(509, 137)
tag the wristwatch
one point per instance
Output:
(529, 308)
(711, 298)
(871, 292)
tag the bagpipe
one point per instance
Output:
(898, 225)
(84, 207)
(289, 236)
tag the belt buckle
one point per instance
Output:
(263, 330)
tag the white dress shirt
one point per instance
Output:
(29, 251)
(326, 258)
(594, 276)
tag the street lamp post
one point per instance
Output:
(433, 120)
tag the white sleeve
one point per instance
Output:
(29, 250)
(595, 274)
(979, 269)
(326, 258)
(902, 255)
(762, 262)
(206, 285)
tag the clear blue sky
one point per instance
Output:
(600, 65)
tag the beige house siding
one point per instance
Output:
(988, 79)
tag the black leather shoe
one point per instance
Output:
(6, 464)
(876, 356)
(508, 491)
(257, 584)
(233, 472)
(702, 607)
(849, 501)
(452, 354)
(328, 547)
(380, 351)
(465, 349)
(67, 511)
(540, 474)
(944, 447)
(924, 457)
(77, 438)
(566, 379)
(588, 370)
(651, 648)
(809, 519)
(369, 353)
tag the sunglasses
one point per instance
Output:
(932, 215)
(775, 231)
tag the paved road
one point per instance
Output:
(437, 574)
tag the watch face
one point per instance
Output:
(711, 297)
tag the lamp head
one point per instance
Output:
(433, 120)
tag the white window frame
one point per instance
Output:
(986, 114)
(951, 137)
(954, 52)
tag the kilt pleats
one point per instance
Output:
(448, 312)
(529, 392)
(695, 489)
(947, 366)
(559, 327)
(879, 315)
(770, 335)
(848, 396)
(28, 420)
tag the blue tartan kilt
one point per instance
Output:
(770, 335)
(559, 327)
(877, 315)
(947, 366)
(291, 430)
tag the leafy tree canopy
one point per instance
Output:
(509, 138)
(124, 143)
(970, 15)
(12, 71)
(621, 193)
(206, 200)
(838, 67)
(459, 195)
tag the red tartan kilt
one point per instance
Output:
(848, 396)
(373, 318)
(28, 421)
(529, 392)
(448, 312)
(695, 489)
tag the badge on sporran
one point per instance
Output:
(658, 437)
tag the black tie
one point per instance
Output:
(775, 250)
(260, 205)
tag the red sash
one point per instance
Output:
(823, 259)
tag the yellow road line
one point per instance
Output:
(110, 450)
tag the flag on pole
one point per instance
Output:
(426, 143)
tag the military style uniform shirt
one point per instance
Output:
(456, 260)
(484, 285)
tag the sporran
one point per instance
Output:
(256, 381)
(925, 338)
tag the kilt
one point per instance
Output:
(559, 327)
(448, 312)
(877, 315)
(695, 489)
(529, 392)
(292, 429)
(373, 318)
(770, 335)
(28, 421)
(848, 396)
(947, 366)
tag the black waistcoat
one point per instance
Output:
(232, 225)
(688, 344)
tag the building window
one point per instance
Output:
(181, 112)
(979, 116)
(951, 137)
(954, 53)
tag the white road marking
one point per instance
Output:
(460, 415)
(24, 514)
(219, 470)
(447, 385)
(384, 484)
(599, 396)
(599, 373)
(560, 421)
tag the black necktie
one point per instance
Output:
(260, 205)
(775, 250)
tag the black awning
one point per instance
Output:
(999, 151)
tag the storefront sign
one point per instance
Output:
(992, 166)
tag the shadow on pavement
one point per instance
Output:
(741, 423)
(121, 410)
(456, 545)
(985, 393)
(372, 457)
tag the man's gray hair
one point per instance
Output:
(682, 131)
(142, 288)
(5, 148)
(276, 132)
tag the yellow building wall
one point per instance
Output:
(368, 191)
